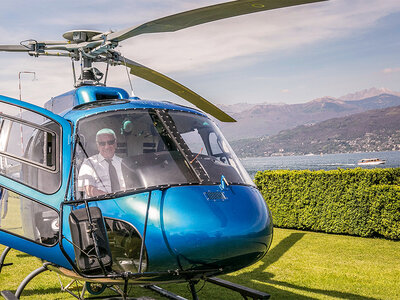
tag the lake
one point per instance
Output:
(319, 162)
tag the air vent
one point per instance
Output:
(215, 196)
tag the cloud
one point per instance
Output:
(54, 76)
(202, 47)
(222, 45)
(390, 70)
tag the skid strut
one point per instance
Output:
(10, 296)
(3, 257)
(192, 286)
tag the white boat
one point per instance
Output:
(371, 161)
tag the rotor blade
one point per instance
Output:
(54, 42)
(204, 15)
(14, 48)
(30, 46)
(176, 88)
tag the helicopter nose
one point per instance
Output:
(206, 227)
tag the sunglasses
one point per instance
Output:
(110, 142)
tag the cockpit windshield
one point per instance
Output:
(143, 148)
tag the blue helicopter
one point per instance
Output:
(184, 208)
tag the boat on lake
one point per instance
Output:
(371, 161)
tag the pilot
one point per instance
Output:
(101, 173)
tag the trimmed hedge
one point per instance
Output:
(362, 202)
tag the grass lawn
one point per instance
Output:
(300, 265)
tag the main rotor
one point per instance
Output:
(87, 46)
(90, 46)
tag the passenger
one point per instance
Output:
(101, 173)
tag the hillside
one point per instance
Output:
(269, 119)
(374, 130)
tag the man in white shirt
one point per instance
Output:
(101, 173)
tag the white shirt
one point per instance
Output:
(94, 172)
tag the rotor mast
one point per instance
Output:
(89, 74)
(89, 52)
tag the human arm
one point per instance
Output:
(88, 178)
(92, 191)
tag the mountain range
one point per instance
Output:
(373, 130)
(367, 93)
(261, 120)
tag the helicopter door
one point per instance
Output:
(35, 157)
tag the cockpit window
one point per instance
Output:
(30, 148)
(210, 148)
(194, 141)
(135, 149)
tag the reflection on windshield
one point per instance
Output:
(136, 149)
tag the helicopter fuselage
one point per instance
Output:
(188, 208)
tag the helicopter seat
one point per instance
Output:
(47, 181)
(149, 147)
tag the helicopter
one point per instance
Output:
(184, 199)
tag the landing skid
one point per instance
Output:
(8, 295)
(247, 293)
(244, 291)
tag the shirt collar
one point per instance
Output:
(101, 158)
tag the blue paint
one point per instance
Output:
(200, 231)
(82, 95)
(187, 230)
(189, 227)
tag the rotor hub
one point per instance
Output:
(78, 36)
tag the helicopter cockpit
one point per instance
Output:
(159, 148)
(162, 148)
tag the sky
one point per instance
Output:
(289, 55)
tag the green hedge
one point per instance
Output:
(363, 202)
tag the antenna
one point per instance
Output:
(19, 80)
